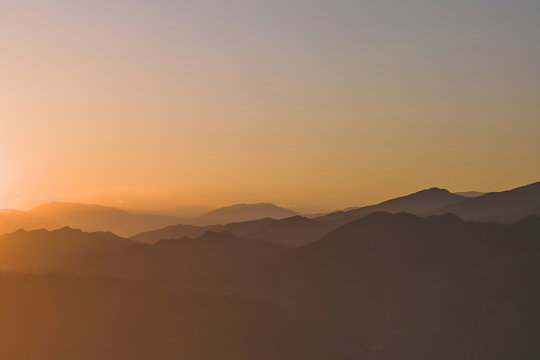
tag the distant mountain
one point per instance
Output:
(82, 216)
(504, 207)
(294, 231)
(243, 212)
(180, 231)
(470, 193)
(299, 230)
(416, 203)
(11, 220)
(124, 223)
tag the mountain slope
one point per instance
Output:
(64, 250)
(386, 286)
(82, 216)
(404, 287)
(180, 230)
(59, 317)
(504, 207)
(416, 203)
(243, 212)
(470, 193)
(298, 230)
(293, 231)
(215, 256)
(211, 256)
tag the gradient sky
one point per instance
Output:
(306, 103)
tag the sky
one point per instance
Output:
(315, 105)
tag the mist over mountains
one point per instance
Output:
(403, 279)
(252, 220)
(298, 230)
(91, 218)
(384, 286)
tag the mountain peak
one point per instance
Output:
(244, 212)
(433, 190)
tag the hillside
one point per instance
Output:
(404, 287)
(504, 207)
(386, 286)
(298, 230)
(82, 216)
(242, 213)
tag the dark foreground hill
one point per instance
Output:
(404, 287)
(63, 317)
(217, 256)
(386, 286)
(64, 250)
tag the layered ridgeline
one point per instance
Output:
(385, 286)
(404, 287)
(124, 223)
(242, 212)
(267, 221)
(82, 216)
(299, 230)
(67, 250)
(504, 207)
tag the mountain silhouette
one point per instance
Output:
(82, 216)
(180, 230)
(100, 218)
(293, 231)
(470, 193)
(242, 213)
(212, 256)
(63, 250)
(66, 317)
(299, 230)
(504, 207)
(397, 286)
(385, 286)
(124, 223)
(416, 203)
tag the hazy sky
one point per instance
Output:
(306, 103)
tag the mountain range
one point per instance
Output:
(92, 218)
(384, 286)
(269, 222)
(242, 212)
(505, 207)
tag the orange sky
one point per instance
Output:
(303, 103)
